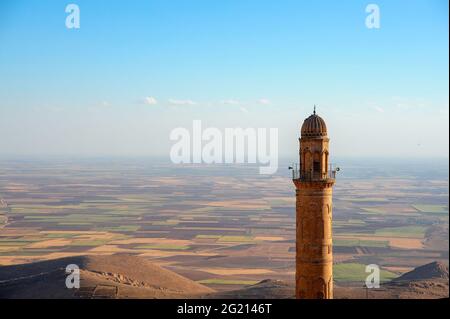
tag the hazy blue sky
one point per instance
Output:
(137, 69)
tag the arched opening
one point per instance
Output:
(307, 162)
(326, 162)
(317, 169)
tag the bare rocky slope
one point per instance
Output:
(434, 270)
(114, 276)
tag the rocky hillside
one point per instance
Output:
(434, 270)
(116, 276)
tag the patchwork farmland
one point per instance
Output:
(223, 226)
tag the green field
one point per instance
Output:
(354, 272)
(165, 223)
(404, 231)
(361, 243)
(373, 210)
(432, 209)
(217, 281)
(365, 199)
(350, 222)
(163, 247)
(60, 235)
(125, 228)
(207, 236)
(13, 243)
(227, 238)
(235, 239)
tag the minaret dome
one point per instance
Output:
(314, 126)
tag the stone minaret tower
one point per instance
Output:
(313, 181)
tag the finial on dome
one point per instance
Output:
(314, 110)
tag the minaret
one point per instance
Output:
(313, 181)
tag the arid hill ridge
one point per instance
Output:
(108, 276)
(128, 276)
(432, 270)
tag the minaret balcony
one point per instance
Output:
(312, 176)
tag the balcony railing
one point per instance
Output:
(313, 176)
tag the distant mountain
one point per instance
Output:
(116, 276)
(434, 270)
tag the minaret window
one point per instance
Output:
(316, 167)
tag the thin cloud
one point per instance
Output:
(378, 109)
(150, 100)
(230, 102)
(244, 110)
(181, 102)
(264, 101)
(410, 103)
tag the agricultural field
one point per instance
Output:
(223, 226)
(354, 272)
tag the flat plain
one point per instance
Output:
(223, 226)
